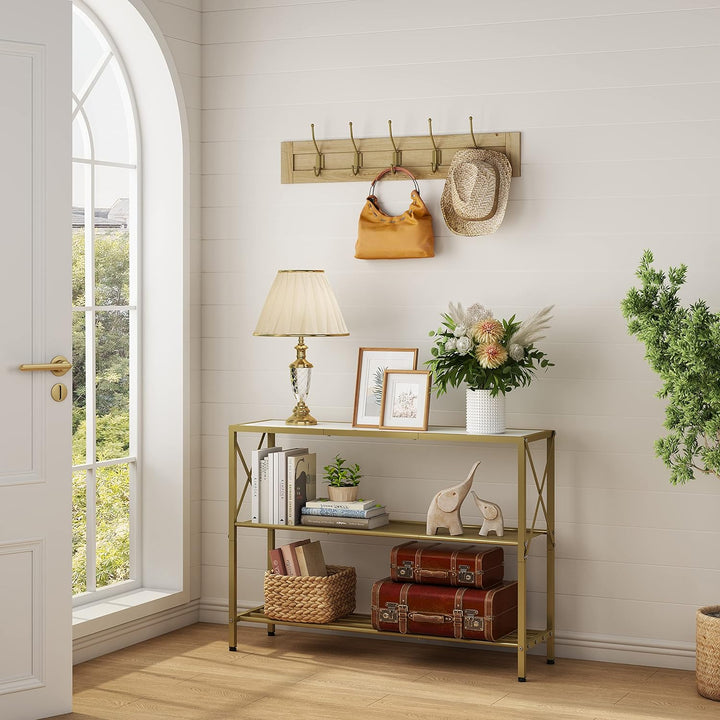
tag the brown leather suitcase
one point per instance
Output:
(475, 566)
(467, 613)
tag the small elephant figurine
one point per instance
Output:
(493, 517)
(444, 510)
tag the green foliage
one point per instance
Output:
(338, 474)
(682, 345)
(455, 369)
(112, 392)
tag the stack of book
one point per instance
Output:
(356, 514)
(299, 558)
(281, 482)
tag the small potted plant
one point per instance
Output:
(342, 480)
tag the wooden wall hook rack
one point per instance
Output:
(361, 159)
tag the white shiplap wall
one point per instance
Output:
(619, 108)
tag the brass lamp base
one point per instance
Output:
(300, 380)
(301, 416)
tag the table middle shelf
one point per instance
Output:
(408, 530)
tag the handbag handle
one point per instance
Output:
(384, 172)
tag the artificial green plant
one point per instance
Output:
(682, 346)
(337, 474)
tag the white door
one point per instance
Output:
(35, 430)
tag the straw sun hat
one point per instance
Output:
(476, 191)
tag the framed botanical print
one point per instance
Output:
(405, 400)
(372, 364)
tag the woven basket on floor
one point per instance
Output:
(707, 664)
(297, 598)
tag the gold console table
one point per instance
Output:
(520, 537)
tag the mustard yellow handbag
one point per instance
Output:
(382, 236)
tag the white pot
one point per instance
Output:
(484, 414)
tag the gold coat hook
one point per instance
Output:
(472, 134)
(357, 159)
(397, 154)
(436, 156)
(319, 157)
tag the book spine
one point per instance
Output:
(282, 489)
(352, 505)
(255, 480)
(277, 561)
(265, 490)
(290, 559)
(330, 521)
(291, 509)
(272, 467)
(339, 512)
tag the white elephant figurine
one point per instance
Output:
(444, 510)
(493, 517)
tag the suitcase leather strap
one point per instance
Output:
(458, 613)
(403, 608)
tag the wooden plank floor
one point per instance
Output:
(190, 675)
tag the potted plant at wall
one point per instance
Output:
(682, 345)
(490, 356)
(342, 480)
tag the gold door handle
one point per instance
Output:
(58, 366)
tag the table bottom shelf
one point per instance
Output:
(361, 624)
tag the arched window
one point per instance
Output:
(106, 313)
(132, 440)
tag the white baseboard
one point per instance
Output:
(580, 646)
(628, 650)
(134, 631)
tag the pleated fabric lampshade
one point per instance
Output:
(301, 304)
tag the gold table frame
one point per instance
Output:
(520, 537)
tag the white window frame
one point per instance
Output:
(133, 461)
(167, 597)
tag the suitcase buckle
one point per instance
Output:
(391, 612)
(406, 569)
(473, 621)
(464, 574)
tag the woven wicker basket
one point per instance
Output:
(707, 663)
(297, 598)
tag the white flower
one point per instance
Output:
(459, 331)
(450, 345)
(475, 313)
(516, 352)
(463, 345)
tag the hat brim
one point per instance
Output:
(472, 228)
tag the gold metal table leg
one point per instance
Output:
(550, 540)
(521, 567)
(270, 546)
(232, 542)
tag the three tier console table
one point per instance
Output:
(543, 495)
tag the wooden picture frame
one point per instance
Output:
(372, 363)
(405, 400)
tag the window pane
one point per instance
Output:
(88, 49)
(78, 382)
(79, 532)
(112, 266)
(113, 525)
(80, 138)
(110, 117)
(79, 186)
(112, 383)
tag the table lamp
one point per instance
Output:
(301, 304)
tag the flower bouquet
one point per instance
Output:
(473, 347)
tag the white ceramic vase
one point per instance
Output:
(484, 414)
